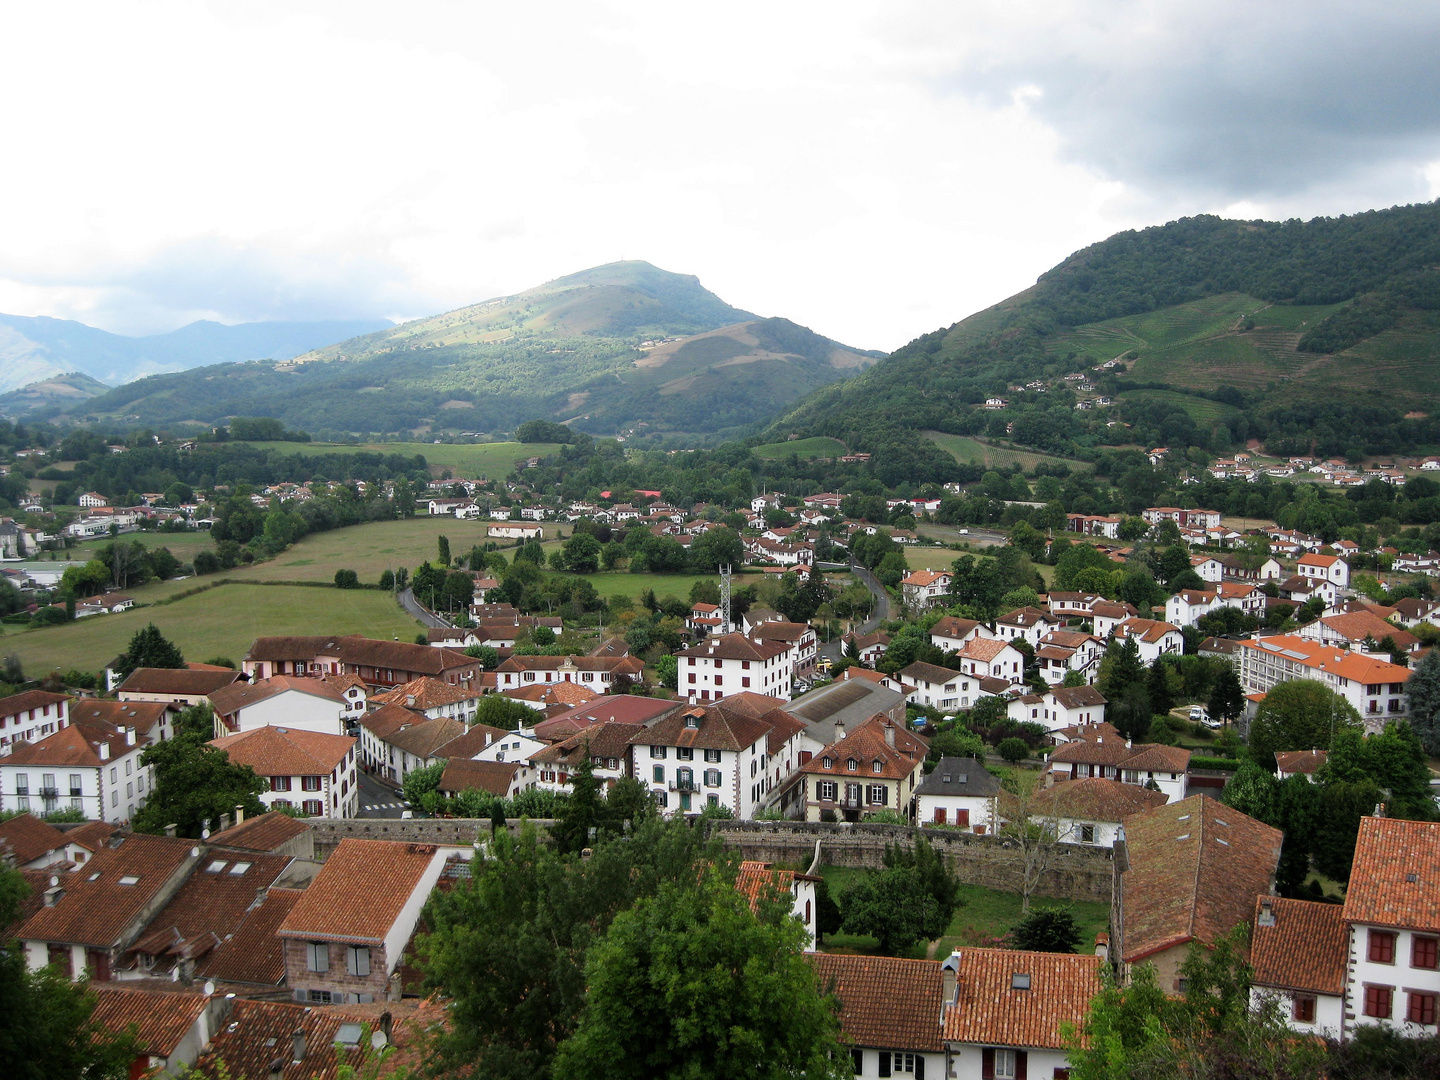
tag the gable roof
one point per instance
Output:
(141, 715)
(1305, 946)
(29, 699)
(1147, 630)
(736, 647)
(608, 709)
(566, 694)
(1096, 799)
(1395, 879)
(77, 746)
(867, 744)
(748, 703)
(239, 695)
(422, 737)
(988, 1009)
(1195, 868)
(96, 908)
(1026, 616)
(601, 740)
(1150, 757)
(960, 777)
(25, 837)
(466, 774)
(277, 751)
(930, 673)
(188, 682)
(983, 649)
(715, 730)
(427, 693)
(359, 892)
(355, 650)
(476, 738)
(952, 627)
(884, 1001)
(264, 832)
(161, 1019)
(210, 905)
(1300, 761)
(1077, 697)
(254, 952)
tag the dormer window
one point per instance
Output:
(829, 763)
(876, 765)
(852, 764)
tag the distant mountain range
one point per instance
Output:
(35, 349)
(625, 346)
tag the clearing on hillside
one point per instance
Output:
(967, 450)
(817, 446)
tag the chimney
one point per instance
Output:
(890, 736)
(298, 1049)
(1102, 945)
(129, 736)
(950, 980)
(104, 751)
(839, 729)
(224, 822)
(409, 701)
(54, 893)
(385, 1022)
(277, 1069)
(239, 813)
(1267, 912)
(1127, 744)
(171, 829)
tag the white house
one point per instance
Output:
(1207, 567)
(1331, 568)
(939, 687)
(992, 658)
(1153, 637)
(959, 793)
(1089, 811)
(290, 701)
(1376, 688)
(950, 633)
(31, 716)
(434, 699)
(925, 588)
(759, 879)
(309, 771)
(1060, 707)
(701, 756)
(1060, 652)
(517, 532)
(1109, 759)
(91, 766)
(733, 663)
(1027, 624)
(1299, 951)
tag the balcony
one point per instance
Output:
(49, 793)
(684, 785)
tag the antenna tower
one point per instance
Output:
(725, 599)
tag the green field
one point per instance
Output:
(1201, 410)
(222, 621)
(818, 446)
(486, 461)
(620, 583)
(967, 450)
(182, 545)
(985, 915)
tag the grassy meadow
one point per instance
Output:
(817, 446)
(487, 461)
(222, 621)
(965, 450)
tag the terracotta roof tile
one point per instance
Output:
(951, 627)
(476, 738)
(238, 695)
(1151, 757)
(736, 647)
(427, 693)
(359, 892)
(161, 1020)
(141, 715)
(602, 740)
(254, 952)
(748, 703)
(26, 837)
(1094, 799)
(92, 835)
(885, 1002)
(930, 673)
(464, 774)
(866, 744)
(264, 832)
(29, 699)
(715, 730)
(422, 738)
(568, 694)
(1305, 948)
(276, 751)
(1195, 868)
(76, 746)
(1300, 761)
(990, 1009)
(210, 905)
(983, 649)
(1395, 879)
(177, 681)
(756, 879)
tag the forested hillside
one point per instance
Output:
(1324, 332)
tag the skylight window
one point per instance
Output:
(129, 879)
(348, 1035)
(1225, 842)
(1185, 837)
(239, 868)
(215, 867)
(1020, 981)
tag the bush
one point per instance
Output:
(1013, 749)
(347, 579)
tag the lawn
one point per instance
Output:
(620, 583)
(222, 621)
(489, 461)
(818, 446)
(985, 915)
(966, 450)
(183, 545)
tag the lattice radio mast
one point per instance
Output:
(725, 599)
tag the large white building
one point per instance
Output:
(733, 664)
(298, 703)
(703, 755)
(1376, 688)
(91, 766)
(304, 770)
(31, 716)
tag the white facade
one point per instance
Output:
(1389, 970)
(706, 677)
(973, 812)
(31, 724)
(513, 746)
(329, 795)
(1329, 1010)
(1329, 568)
(296, 710)
(111, 791)
(516, 532)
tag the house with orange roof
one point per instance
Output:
(1086, 811)
(345, 936)
(311, 771)
(875, 766)
(434, 698)
(1154, 638)
(295, 702)
(553, 697)
(921, 589)
(704, 755)
(1305, 763)
(1102, 757)
(757, 880)
(1376, 688)
(951, 633)
(1026, 624)
(31, 715)
(171, 1027)
(92, 766)
(1299, 951)
(1392, 913)
(1329, 568)
(731, 663)
(1351, 629)
(992, 658)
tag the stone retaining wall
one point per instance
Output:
(328, 832)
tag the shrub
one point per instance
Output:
(1013, 749)
(347, 579)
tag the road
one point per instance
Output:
(835, 649)
(411, 605)
(377, 800)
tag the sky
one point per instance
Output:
(870, 170)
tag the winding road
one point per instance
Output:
(835, 649)
(412, 606)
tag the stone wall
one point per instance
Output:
(1075, 871)
(461, 832)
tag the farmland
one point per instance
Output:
(964, 449)
(619, 583)
(222, 621)
(818, 446)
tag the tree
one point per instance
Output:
(1393, 760)
(1227, 696)
(149, 648)
(668, 669)
(955, 742)
(894, 907)
(1032, 823)
(1047, 930)
(583, 810)
(1254, 791)
(692, 983)
(47, 1029)
(717, 547)
(1423, 687)
(422, 782)
(195, 783)
(442, 543)
(582, 553)
(347, 579)
(1157, 686)
(487, 655)
(934, 876)
(1013, 749)
(1299, 715)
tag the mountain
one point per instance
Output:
(609, 348)
(33, 349)
(51, 396)
(1316, 332)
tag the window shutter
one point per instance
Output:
(857, 1059)
(1021, 1065)
(987, 1064)
(919, 1067)
(884, 1062)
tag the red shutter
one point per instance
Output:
(962, 817)
(987, 1064)
(1022, 1065)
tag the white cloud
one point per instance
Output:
(871, 170)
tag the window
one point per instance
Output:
(719, 680)
(1420, 1008)
(684, 779)
(310, 783)
(77, 789)
(712, 777)
(745, 681)
(1303, 1008)
(712, 755)
(1377, 1001)
(657, 752)
(692, 674)
(279, 783)
(1382, 948)
(313, 807)
(852, 764)
(1004, 1065)
(1087, 834)
(357, 959)
(879, 795)
(857, 1059)
(659, 774)
(685, 753)
(877, 766)
(1423, 952)
(317, 956)
(825, 791)
(22, 783)
(319, 997)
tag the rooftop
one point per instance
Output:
(1395, 879)
(359, 892)
(885, 1001)
(960, 777)
(994, 1007)
(1304, 946)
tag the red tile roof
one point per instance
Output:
(1300, 761)
(141, 715)
(867, 744)
(161, 1020)
(1148, 757)
(178, 681)
(264, 832)
(238, 695)
(990, 1009)
(568, 694)
(476, 738)
(254, 953)
(29, 699)
(610, 709)
(715, 730)
(736, 647)
(359, 892)
(26, 837)
(77, 746)
(1305, 947)
(464, 774)
(210, 905)
(1195, 868)
(427, 693)
(1094, 799)
(1395, 879)
(276, 751)
(885, 1002)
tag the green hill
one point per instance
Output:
(609, 348)
(1313, 332)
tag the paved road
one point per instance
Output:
(835, 649)
(410, 604)
(377, 800)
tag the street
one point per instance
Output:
(835, 649)
(409, 603)
(377, 800)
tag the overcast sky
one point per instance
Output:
(872, 170)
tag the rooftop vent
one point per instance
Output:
(1020, 981)
(1411, 879)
